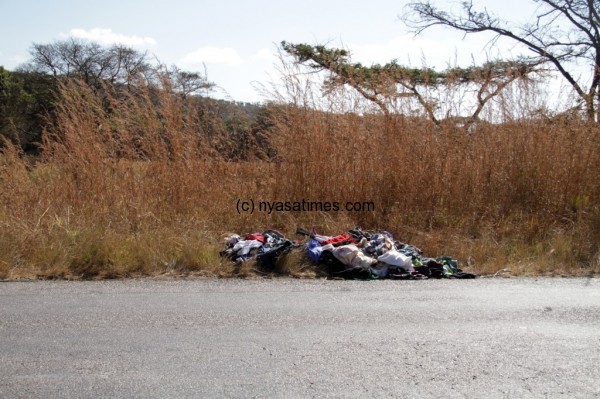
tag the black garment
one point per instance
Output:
(430, 268)
(275, 245)
(332, 264)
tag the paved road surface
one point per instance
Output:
(288, 338)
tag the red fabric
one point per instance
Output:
(339, 240)
(258, 237)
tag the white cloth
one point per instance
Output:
(327, 247)
(244, 247)
(395, 258)
(350, 255)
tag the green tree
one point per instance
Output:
(25, 100)
(382, 84)
(28, 96)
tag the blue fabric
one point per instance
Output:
(314, 250)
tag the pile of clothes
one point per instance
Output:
(266, 247)
(356, 254)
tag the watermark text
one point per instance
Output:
(250, 206)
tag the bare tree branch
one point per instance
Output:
(564, 30)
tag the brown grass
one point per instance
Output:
(146, 190)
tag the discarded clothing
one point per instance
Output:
(375, 255)
(381, 271)
(256, 236)
(378, 245)
(314, 250)
(341, 239)
(275, 245)
(350, 255)
(232, 239)
(266, 247)
(356, 254)
(398, 259)
(332, 265)
(245, 246)
(240, 250)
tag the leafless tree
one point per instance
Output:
(88, 61)
(563, 32)
(117, 65)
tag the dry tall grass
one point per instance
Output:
(144, 189)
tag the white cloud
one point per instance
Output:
(211, 55)
(107, 36)
(265, 54)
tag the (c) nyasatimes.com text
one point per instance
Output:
(248, 206)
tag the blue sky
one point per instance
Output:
(237, 40)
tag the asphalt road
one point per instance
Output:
(289, 338)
